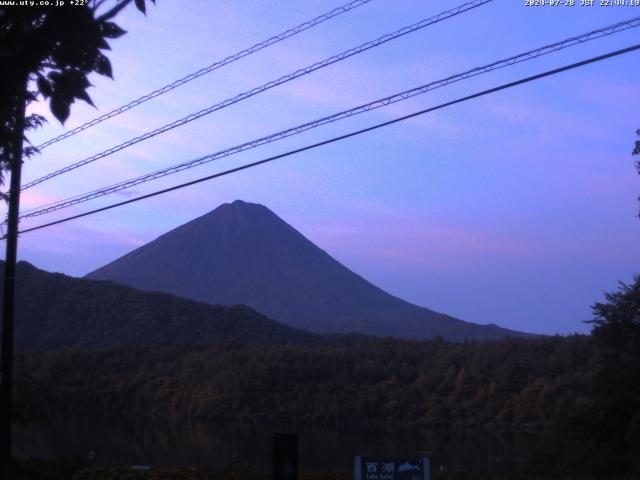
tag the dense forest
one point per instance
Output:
(551, 384)
(502, 384)
(585, 388)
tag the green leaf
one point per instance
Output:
(111, 30)
(30, 151)
(141, 6)
(34, 121)
(103, 44)
(69, 85)
(103, 66)
(31, 95)
(44, 86)
(83, 95)
(60, 108)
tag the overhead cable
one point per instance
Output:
(208, 69)
(398, 97)
(505, 86)
(274, 83)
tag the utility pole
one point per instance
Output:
(8, 304)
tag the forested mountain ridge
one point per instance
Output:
(505, 384)
(55, 311)
(584, 388)
(243, 253)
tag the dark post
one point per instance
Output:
(285, 456)
(8, 306)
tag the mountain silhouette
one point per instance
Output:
(55, 312)
(243, 253)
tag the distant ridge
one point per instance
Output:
(54, 312)
(243, 253)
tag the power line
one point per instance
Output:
(274, 83)
(529, 55)
(342, 137)
(208, 69)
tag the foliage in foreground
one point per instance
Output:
(524, 384)
(59, 470)
(586, 388)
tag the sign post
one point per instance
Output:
(285, 456)
(391, 469)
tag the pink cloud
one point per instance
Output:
(33, 198)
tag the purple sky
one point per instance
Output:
(517, 209)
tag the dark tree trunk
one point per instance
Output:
(8, 307)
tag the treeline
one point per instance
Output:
(586, 388)
(506, 384)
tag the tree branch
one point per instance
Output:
(97, 4)
(114, 11)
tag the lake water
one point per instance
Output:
(198, 443)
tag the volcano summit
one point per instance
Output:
(243, 253)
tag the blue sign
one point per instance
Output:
(391, 468)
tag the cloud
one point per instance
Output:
(33, 198)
